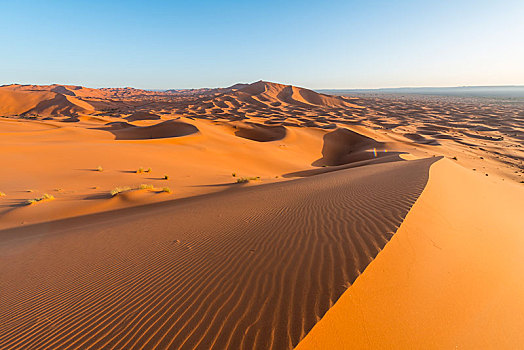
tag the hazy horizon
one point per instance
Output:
(278, 82)
(343, 44)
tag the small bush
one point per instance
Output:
(145, 187)
(234, 174)
(454, 158)
(166, 177)
(142, 170)
(166, 189)
(242, 180)
(45, 197)
(118, 190)
(99, 168)
(2, 194)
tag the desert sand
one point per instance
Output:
(258, 216)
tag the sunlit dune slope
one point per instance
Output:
(451, 277)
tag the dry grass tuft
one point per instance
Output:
(142, 170)
(45, 197)
(242, 180)
(118, 190)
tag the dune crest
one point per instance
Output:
(453, 268)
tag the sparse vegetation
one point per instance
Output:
(166, 177)
(142, 170)
(242, 180)
(45, 197)
(99, 168)
(118, 190)
(454, 158)
(234, 174)
(2, 194)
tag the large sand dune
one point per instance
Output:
(40, 103)
(252, 268)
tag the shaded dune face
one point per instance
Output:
(257, 273)
(421, 139)
(167, 129)
(142, 116)
(260, 132)
(344, 146)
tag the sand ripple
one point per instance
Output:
(250, 268)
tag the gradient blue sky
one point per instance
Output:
(317, 44)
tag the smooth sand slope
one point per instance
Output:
(248, 268)
(451, 278)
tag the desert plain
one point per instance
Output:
(259, 216)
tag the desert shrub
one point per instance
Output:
(142, 170)
(166, 177)
(166, 189)
(118, 190)
(145, 187)
(99, 168)
(45, 197)
(242, 180)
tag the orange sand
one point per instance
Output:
(221, 264)
(451, 277)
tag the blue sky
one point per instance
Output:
(317, 44)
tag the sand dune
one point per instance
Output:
(39, 103)
(255, 274)
(260, 132)
(449, 278)
(167, 129)
(344, 146)
(290, 94)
